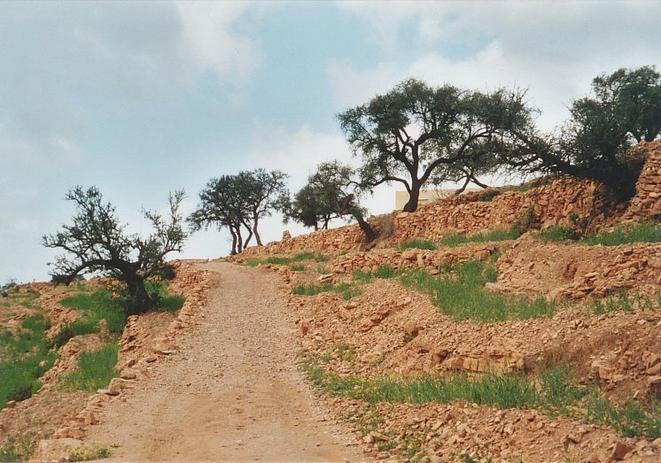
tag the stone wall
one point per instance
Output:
(647, 202)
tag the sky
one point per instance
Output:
(140, 98)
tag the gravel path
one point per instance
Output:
(232, 392)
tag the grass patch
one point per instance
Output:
(558, 234)
(628, 418)
(462, 296)
(297, 267)
(384, 271)
(644, 232)
(97, 306)
(95, 369)
(89, 454)
(554, 391)
(20, 449)
(24, 357)
(300, 257)
(457, 239)
(347, 290)
(418, 244)
(625, 302)
(165, 300)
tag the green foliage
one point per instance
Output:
(163, 299)
(300, 257)
(384, 271)
(96, 241)
(624, 108)
(625, 302)
(558, 233)
(630, 419)
(24, 357)
(455, 134)
(345, 289)
(238, 202)
(462, 296)
(18, 449)
(553, 391)
(89, 454)
(77, 328)
(457, 239)
(94, 371)
(97, 306)
(417, 243)
(644, 232)
(297, 267)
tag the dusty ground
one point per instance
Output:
(232, 392)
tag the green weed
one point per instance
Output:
(558, 234)
(644, 232)
(383, 271)
(97, 306)
(89, 454)
(457, 239)
(301, 256)
(24, 357)
(95, 369)
(345, 289)
(629, 418)
(164, 299)
(462, 296)
(418, 244)
(625, 302)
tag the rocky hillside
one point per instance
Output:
(515, 324)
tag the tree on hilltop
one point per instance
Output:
(332, 193)
(96, 241)
(624, 109)
(417, 132)
(238, 202)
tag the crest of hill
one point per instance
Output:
(553, 202)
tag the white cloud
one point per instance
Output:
(208, 32)
(553, 51)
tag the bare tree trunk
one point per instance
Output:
(234, 240)
(326, 220)
(255, 221)
(138, 299)
(368, 231)
(245, 244)
(239, 239)
(414, 196)
(463, 187)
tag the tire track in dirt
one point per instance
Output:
(232, 392)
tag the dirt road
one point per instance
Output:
(232, 392)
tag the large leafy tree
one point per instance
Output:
(96, 241)
(624, 109)
(238, 202)
(219, 206)
(332, 193)
(416, 132)
(310, 208)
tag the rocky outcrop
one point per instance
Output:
(647, 202)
